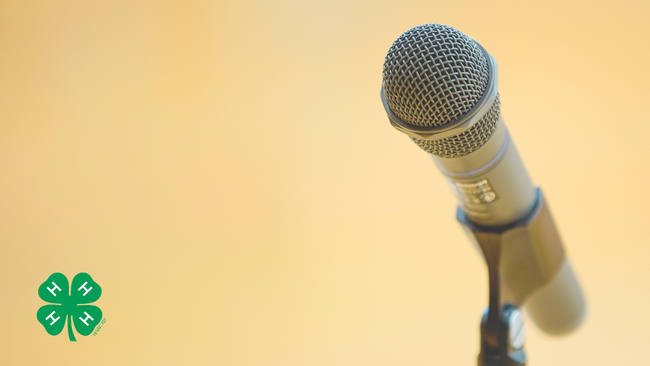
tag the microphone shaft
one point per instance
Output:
(495, 191)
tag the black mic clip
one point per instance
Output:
(509, 335)
(514, 272)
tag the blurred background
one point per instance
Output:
(226, 172)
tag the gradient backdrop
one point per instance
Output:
(226, 172)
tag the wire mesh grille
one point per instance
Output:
(433, 74)
(468, 141)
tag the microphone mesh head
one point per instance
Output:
(468, 141)
(434, 74)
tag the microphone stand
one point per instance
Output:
(513, 252)
(513, 249)
(502, 342)
(502, 326)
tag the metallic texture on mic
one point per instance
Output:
(466, 142)
(440, 88)
(433, 74)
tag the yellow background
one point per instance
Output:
(226, 172)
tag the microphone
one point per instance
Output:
(440, 87)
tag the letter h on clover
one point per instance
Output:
(55, 290)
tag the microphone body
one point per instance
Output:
(474, 151)
(494, 189)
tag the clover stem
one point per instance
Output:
(70, 332)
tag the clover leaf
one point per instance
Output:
(55, 290)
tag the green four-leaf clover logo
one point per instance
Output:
(56, 291)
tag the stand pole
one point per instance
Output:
(508, 351)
